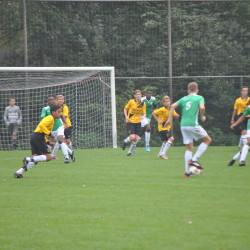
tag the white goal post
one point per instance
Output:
(89, 93)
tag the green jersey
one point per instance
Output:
(58, 122)
(246, 113)
(190, 106)
(150, 105)
(45, 112)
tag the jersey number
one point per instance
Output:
(188, 105)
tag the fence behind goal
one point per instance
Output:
(89, 94)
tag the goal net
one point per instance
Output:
(89, 93)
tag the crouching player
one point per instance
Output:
(245, 148)
(40, 151)
(161, 116)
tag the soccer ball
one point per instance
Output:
(195, 171)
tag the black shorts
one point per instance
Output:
(67, 132)
(134, 128)
(165, 134)
(242, 125)
(38, 144)
(13, 127)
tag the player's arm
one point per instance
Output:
(170, 117)
(233, 116)
(5, 117)
(19, 120)
(143, 112)
(156, 117)
(125, 111)
(65, 114)
(236, 107)
(202, 112)
(176, 115)
(155, 106)
(241, 119)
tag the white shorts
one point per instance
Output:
(145, 121)
(58, 132)
(192, 133)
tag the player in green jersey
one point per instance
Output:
(58, 132)
(245, 148)
(151, 105)
(191, 106)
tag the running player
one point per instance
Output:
(165, 131)
(134, 112)
(151, 105)
(38, 142)
(191, 105)
(245, 148)
(13, 119)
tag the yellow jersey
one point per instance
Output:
(135, 110)
(65, 113)
(240, 105)
(45, 126)
(162, 115)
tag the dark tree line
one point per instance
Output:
(208, 39)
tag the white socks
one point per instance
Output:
(188, 157)
(244, 152)
(165, 147)
(55, 150)
(65, 148)
(37, 158)
(133, 144)
(237, 156)
(127, 140)
(200, 150)
(147, 138)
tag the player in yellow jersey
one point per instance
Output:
(240, 106)
(67, 124)
(38, 142)
(161, 116)
(134, 112)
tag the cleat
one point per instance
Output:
(133, 149)
(186, 175)
(124, 146)
(66, 160)
(163, 157)
(231, 163)
(16, 175)
(195, 164)
(242, 163)
(54, 157)
(129, 154)
(148, 148)
(72, 156)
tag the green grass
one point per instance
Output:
(107, 200)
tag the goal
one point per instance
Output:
(89, 93)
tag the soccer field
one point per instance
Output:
(107, 200)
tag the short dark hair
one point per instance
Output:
(244, 87)
(50, 96)
(149, 90)
(54, 108)
(12, 98)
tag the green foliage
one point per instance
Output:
(208, 38)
